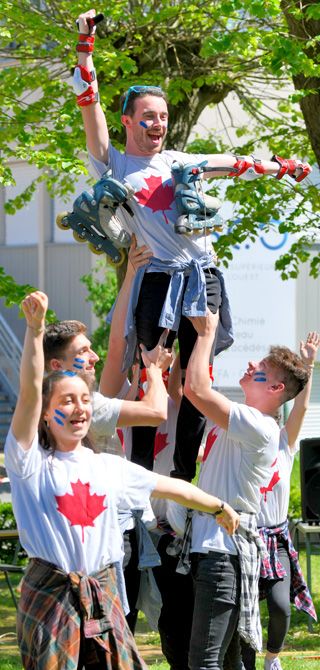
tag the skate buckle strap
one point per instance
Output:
(292, 167)
(85, 43)
(244, 164)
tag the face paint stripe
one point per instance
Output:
(57, 411)
(143, 124)
(58, 421)
(79, 367)
(79, 360)
(69, 373)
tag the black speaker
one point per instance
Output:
(310, 479)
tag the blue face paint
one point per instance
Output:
(58, 421)
(79, 363)
(58, 414)
(259, 377)
(69, 373)
(143, 124)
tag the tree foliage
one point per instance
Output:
(264, 52)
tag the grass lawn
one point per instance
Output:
(302, 648)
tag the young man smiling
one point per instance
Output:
(181, 279)
(244, 443)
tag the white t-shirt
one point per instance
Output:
(275, 491)
(164, 445)
(153, 205)
(66, 504)
(235, 464)
(105, 415)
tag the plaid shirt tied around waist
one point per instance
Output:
(57, 609)
(251, 550)
(272, 568)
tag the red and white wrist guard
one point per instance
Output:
(82, 78)
(88, 97)
(247, 167)
(292, 167)
(85, 43)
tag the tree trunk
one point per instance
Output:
(305, 30)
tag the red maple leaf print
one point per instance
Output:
(211, 438)
(82, 507)
(273, 481)
(157, 196)
(121, 437)
(160, 443)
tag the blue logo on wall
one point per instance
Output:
(273, 245)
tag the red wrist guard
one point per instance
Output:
(292, 167)
(85, 43)
(88, 97)
(86, 75)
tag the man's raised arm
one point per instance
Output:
(197, 389)
(86, 89)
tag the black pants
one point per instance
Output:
(191, 423)
(177, 609)
(279, 609)
(131, 575)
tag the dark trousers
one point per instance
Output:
(131, 575)
(279, 609)
(191, 423)
(177, 608)
(216, 610)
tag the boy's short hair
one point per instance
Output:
(292, 370)
(58, 336)
(128, 98)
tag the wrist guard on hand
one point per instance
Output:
(85, 43)
(292, 167)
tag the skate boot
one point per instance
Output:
(93, 218)
(197, 211)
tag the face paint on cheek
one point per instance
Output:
(69, 373)
(57, 415)
(259, 377)
(143, 124)
(79, 363)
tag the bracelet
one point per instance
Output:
(220, 510)
(37, 330)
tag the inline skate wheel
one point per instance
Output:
(116, 264)
(78, 237)
(95, 250)
(62, 221)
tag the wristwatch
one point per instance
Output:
(220, 510)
